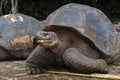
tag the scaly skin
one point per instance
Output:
(72, 57)
(39, 59)
(80, 63)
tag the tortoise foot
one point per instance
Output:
(102, 66)
(33, 69)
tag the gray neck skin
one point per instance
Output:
(60, 47)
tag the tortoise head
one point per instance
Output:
(47, 39)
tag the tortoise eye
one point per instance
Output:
(45, 34)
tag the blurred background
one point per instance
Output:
(40, 9)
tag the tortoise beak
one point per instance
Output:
(42, 40)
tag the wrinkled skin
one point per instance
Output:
(69, 49)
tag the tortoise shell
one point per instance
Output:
(17, 31)
(88, 22)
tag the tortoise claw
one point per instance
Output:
(101, 64)
(34, 69)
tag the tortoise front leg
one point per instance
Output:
(38, 59)
(77, 61)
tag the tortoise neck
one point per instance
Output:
(59, 47)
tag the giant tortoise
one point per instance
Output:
(78, 36)
(16, 35)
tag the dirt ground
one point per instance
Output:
(8, 70)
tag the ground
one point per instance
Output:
(9, 70)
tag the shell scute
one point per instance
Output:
(17, 31)
(89, 22)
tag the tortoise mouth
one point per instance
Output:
(44, 37)
(42, 41)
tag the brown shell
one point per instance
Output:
(89, 22)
